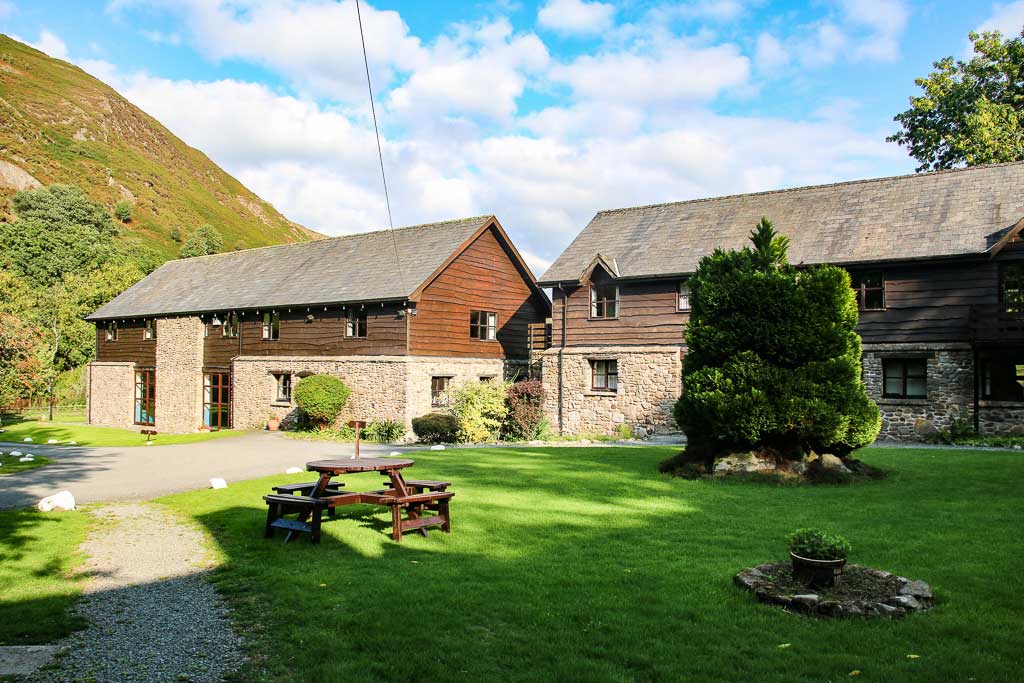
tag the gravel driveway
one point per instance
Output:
(144, 472)
(152, 617)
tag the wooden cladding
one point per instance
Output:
(129, 346)
(483, 278)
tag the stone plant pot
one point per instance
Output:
(817, 573)
(273, 424)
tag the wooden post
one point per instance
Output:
(357, 425)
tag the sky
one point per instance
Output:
(542, 112)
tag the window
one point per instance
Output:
(230, 328)
(683, 299)
(355, 325)
(1002, 377)
(487, 378)
(149, 333)
(145, 397)
(112, 330)
(271, 326)
(870, 289)
(439, 391)
(483, 325)
(284, 386)
(905, 378)
(217, 400)
(604, 301)
(604, 375)
(1013, 287)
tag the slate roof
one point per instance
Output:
(344, 269)
(926, 215)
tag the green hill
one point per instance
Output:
(60, 125)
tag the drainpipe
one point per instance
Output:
(561, 352)
(977, 402)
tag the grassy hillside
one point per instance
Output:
(60, 125)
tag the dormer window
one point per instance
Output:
(604, 301)
(111, 330)
(271, 326)
(683, 296)
(149, 332)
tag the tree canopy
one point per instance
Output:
(970, 112)
(773, 356)
(204, 241)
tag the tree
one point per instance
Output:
(773, 356)
(21, 371)
(204, 241)
(123, 211)
(971, 112)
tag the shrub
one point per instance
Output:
(384, 431)
(204, 241)
(480, 409)
(321, 397)
(436, 428)
(123, 211)
(815, 544)
(773, 355)
(525, 419)
(176, 235)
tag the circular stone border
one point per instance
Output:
(900, 597)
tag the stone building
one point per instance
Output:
(401, 316)
(936, 259)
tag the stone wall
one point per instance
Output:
(111, 394)
(383, 387)
(179, 375)
(650, 381)
(1004, 418)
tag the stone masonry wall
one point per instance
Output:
(650, 381)
(377, 385)
(111, 394)
(179, 375)
(950, 369)
(461, 371)
(1003, 418)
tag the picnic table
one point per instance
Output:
(416, 497)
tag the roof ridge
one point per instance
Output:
(801, 188)
(333, 238)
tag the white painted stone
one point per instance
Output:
(438, 447)
(59, 501)
(72, 443)
(393, 453)
(293, 470)
(16, 453)
(27, 439)
(149, 443)
(27, 458)
(218, 483)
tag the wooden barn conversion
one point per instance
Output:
(401, 316)
(937, 260)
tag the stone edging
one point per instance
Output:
(909, 596)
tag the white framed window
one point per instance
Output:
(111, 332)
(230, 327)
(355, 324)
(283, 390)
(604, 375)
(604, 301)
(683, 296)
(483, 325)
(439, 391)
(271, 326)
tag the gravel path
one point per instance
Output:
(153, 618)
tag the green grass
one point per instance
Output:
(586, 565)
(12, 465)
(37, 550)
(85, 435)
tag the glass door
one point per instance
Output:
(217, 400)
(145, 397)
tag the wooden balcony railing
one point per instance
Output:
(997, 323)
(539, 339)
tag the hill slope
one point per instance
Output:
(60, 125)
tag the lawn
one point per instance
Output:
(37, 550)
(84, 435)
(585, 564)
(11, 464)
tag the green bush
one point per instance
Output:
(815, 544)
(773, 355)
(525, 419)
(123, 211)
(480, 409)
(204, 241)
(436, 428)
(176, 235)
(321, 397)
(384, 431)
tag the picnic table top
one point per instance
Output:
(360, 465)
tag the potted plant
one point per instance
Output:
(273, 423)
(818, 557)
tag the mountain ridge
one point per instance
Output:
(59, 125)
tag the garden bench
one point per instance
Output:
(307, 507)
(307, 488)
(421, 485)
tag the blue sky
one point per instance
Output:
(541, 112)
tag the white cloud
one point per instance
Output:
(161, 38)
(49, 43)
(884, 22)
(715, 10)
(1007, 19)
(770, 53)
(576, 16)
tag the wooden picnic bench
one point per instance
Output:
(426, 503)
